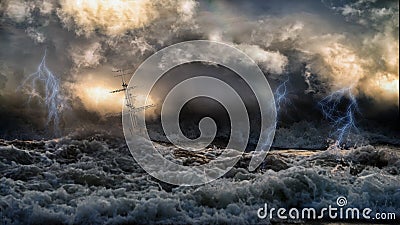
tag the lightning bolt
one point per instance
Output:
(51, 96)
(343, 121)
(281, 100)
(280, 95)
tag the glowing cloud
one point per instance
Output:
(115, 17)
(88, 57)
(95, 93)
(343, 64)
(374, 73)
(186, 9)
(273, 62)
(110, 16)
(384, 87)
(17, 10)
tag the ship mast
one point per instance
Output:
(129, 98)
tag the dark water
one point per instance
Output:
(94, 180)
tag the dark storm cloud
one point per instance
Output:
(320, 46)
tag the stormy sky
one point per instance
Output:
(320, 47)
